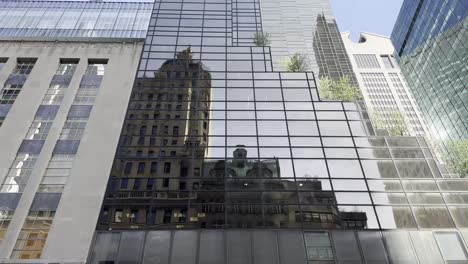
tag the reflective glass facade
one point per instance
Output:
(318, 39)
(73, 19)
(430, 39)
(220, 157)
(213, 138)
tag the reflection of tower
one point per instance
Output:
(162, 147)
(330, 51)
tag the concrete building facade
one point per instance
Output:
(386, 93)
(79, 202)
(59, 101)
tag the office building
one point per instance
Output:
(388, 99)
(218, 158)
(430, 44)
(60, 105)
(223, 159)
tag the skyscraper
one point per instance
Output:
(386, 94)
(318, 39)
(218, 158)
(430, 41)
(268, 172)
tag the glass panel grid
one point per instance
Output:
(209, 122)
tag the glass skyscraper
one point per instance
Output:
(224, 159)
(430, 38)
(212, 155)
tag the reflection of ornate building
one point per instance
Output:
(235, 193)
(255, 190)
(162, 145)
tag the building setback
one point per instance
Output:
(308, 28)
(431, 45)
(224, 159)
(386, 94)
(220, 159)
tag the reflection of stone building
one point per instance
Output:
(162, 145)
(255, 190)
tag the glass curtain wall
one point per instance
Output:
(213, 138)
(431, 43)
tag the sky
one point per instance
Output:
(373, 16)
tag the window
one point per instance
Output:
(154, 167)
(124, 183)
(165, 182)
(24, 66)
(150, 184)
(3, 61)
(54, 94)
(141, 167)
(167, 167)
(451, 246)
(9, 93)
(96, 67)
(67, 67)
(85, 96)
(167, 216)
(118, 216)
(56, 174)
(387, 61)
(39, 129)
(5, 222)
(20, 169)
(73, 128)
(136, 184)
(318, 246)
(33, 235)
(128, 168)
(175, 131)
